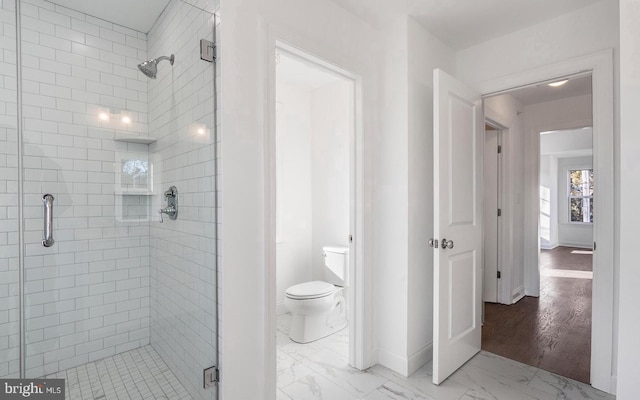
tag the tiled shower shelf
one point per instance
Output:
(133, 138)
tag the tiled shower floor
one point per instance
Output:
(136, 374)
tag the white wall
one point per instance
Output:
(405, 192)
(183, 267)
(293, 180)
(391, 200)
(548, 201)
(629, 278)
(584, 31)
(332, 114)
(572, 234)
(321, 28)
(424, 53)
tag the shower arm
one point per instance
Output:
(170, 59)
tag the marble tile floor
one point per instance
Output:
(136, 374)
(319, 370)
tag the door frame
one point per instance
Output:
(360, 293)
(505, 222)
(504, 238)
(600, 65)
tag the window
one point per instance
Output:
(581, 196)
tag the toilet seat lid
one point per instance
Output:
(310, 289)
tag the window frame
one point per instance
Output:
(571, 197)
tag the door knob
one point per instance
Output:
(433, 243)
(447, 244)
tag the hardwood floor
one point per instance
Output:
(552, 332)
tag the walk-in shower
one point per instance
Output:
(88, 147)
(150, 67)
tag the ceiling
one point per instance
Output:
(134, 14)
(464, 23)
(458, 23)
(542, 92)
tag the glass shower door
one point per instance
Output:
(87, 293)
(121, 287)
(9, 227)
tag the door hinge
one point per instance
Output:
(211, 377)
(499, 149)
(207, 50)
(499, 275)
(499, 212)
(594, 246)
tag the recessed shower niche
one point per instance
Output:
(133, 172)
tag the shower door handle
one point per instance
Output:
(47, 200)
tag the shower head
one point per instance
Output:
(150, 67)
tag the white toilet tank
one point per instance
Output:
(336, 262)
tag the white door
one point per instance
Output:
(490, 220)
(458, 142)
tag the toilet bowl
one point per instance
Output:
(317, 310)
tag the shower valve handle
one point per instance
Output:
(170, 211)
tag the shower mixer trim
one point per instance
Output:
(171, 209)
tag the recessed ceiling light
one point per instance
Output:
(559, 83)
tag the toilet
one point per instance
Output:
(318, 308)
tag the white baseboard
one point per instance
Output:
(579, 245)
(517, 294)
(406, 366)
(394, 362)
(421, 357)
(549, 247)
(614, 384)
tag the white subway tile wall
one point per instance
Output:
(88, 294)
(93, 294)
(9, 291)
(183, 259)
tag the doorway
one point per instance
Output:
(492, 171)
(314, 215)
(551, 328)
